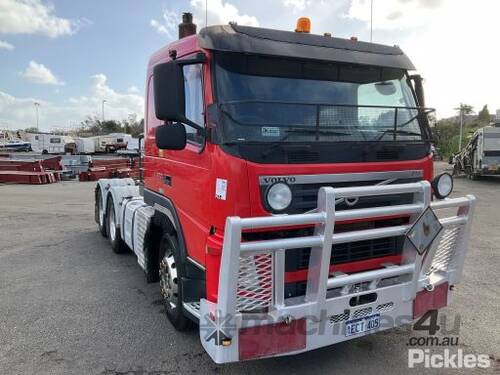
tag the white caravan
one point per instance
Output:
(51, 143)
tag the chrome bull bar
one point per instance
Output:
(262, 281)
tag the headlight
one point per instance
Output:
(279, 196)
(442, 185)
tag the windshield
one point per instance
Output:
(269, 100)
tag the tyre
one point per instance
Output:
(115, 239)
(171, 274)
(101, 217)
(45, 152)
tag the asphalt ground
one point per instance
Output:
(69, 305)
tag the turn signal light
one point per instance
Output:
(303, 25)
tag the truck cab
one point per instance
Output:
(287, 178)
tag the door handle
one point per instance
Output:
(167, 180)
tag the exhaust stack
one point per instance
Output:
(187, 27)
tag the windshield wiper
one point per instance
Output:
(400, 132)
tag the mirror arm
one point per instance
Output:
(194, 125)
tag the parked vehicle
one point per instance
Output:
(481, 156)
(85, 145)
(287, 186)
(51, 143)
(14, 144)
(110, 143)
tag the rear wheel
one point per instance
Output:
(101, 223)
(170, 282)
(113, 231)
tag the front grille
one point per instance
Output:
(348, 252)
(305, 196)
(298, 259)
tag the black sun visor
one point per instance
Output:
(260, 41)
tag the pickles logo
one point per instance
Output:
(447, 359)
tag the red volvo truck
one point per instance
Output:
(288, 200)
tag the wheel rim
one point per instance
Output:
(112, 225)
(168, 280)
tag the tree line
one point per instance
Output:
(447, 131)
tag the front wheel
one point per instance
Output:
(170, 283)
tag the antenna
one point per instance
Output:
(206, 13)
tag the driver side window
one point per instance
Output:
(193, 86)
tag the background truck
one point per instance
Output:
(111, 142)
(287, 186)
(481, 156)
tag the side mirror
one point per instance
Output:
(169, 95)
(171, 136)
(419, 89)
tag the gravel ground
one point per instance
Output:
(68, 305)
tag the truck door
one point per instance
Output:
(184, 176)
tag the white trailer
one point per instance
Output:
(85, 145)
(51, 143)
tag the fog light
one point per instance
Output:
(442, 185)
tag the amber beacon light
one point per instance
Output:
(303, 25)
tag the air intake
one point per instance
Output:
(187, 27)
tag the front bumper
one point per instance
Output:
(253, 319)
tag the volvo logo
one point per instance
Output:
(273, 180)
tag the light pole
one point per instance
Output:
(36, 104)
(103, 101)
(371, 21)
(461, 128)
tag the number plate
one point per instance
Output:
(360, 325)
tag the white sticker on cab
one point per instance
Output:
(221, 189)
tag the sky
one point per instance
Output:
(69, 56)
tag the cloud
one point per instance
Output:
(39, 73)
(395, 14)
(133, 89)
(297, 5)
(33, 17)
(168, 23)
(18, 112)
(447, 54)
(221, 12)
(5, 45)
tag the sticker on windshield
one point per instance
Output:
(270, 131)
